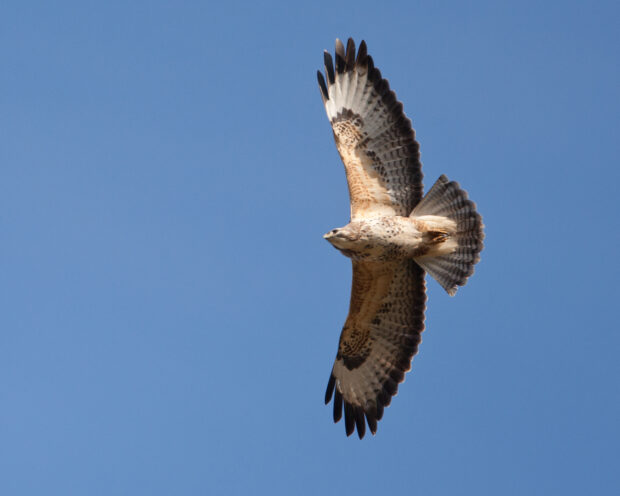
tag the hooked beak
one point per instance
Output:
(331, 234)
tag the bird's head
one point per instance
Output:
(344, 238)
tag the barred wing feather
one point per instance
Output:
(380, 337)
(373, 135)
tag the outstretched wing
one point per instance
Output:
(378, 340)
(374, 136)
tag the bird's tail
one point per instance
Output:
(461, 234)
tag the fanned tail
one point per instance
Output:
(446, 199)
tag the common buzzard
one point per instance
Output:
(395, 235)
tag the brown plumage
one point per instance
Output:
(394, 236)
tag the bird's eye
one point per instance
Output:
(334, 231)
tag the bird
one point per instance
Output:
(395, 236)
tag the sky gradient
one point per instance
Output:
(169, 312)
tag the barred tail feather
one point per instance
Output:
(447, 199)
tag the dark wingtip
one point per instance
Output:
(350, 55)
(329, 67)
(379, 411)
(337, 406)
(349, 418)
(370, 63)
(330, 388)
(371, 416)
(340, 57)
(322, 85)
(372, 423)
(343, 61)
(360, 421)
(362, 54)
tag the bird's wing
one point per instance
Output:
(374, 136)
(379, 338)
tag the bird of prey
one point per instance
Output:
(396, 235)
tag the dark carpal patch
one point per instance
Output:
(348, 115)
(352, 362)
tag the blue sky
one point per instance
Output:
(169, 311)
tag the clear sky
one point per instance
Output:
(169, 311)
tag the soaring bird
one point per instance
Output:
(394, 237)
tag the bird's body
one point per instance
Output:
(390, 239)
(395, 236)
